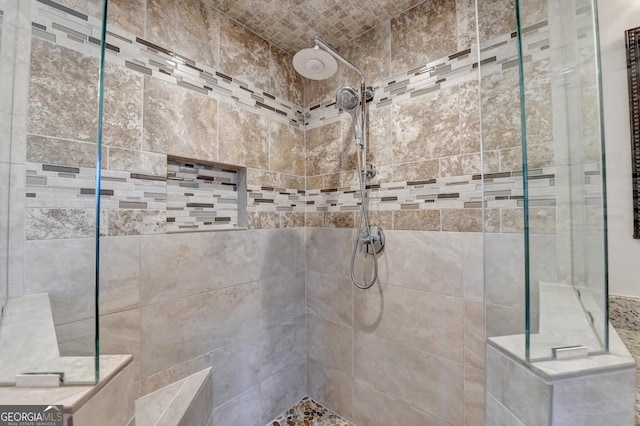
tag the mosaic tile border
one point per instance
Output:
(204, 197)
(497, 54)
(309, 413)
(74, 30)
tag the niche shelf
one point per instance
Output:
(205, 196)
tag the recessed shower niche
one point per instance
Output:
(205, 196)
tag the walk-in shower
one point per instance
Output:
(319, 63)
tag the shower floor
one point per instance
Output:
(309, 413)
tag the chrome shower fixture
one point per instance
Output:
(319, 63)
(347, 98)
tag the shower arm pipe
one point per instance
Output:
(319, 43)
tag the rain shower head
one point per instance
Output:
(315, 63)
(347, 98)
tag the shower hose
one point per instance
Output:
(363, 234)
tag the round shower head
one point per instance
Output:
(315, 63)
(347, 98)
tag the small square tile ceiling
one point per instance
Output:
(292, 24)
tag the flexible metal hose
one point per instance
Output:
(364, 217)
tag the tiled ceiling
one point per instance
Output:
(292, 24)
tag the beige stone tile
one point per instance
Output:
(349, 160)
(538, 156)
(128, 15)
(538, 101)
(460, 165)
(417, 220)
(317, 91)
(341, 180)
(398, 314)
(282, 391)
(151, 407)
(123, 95)
(286, 83)
(436, 134)
(242, 410)
(314, 220)
(63, 99)
(371, 53)
(263, 220)
(501, 110)
(466, 23)
(292, 220)
(314, 182)
(330, 387)
(372, 406)
(244, 55)
(195, 325)
(496, 18)
(324, 150)
(179, 122)
(427, 261)
(382, 219)
(286, 149)
(329, 297)
(282, 297)
(76, 338)
(174, 373)
(473, 396)
(277, 180)
(333, 261)
(416, 171)
(136, 222)
(533, 12)
(147, 163)
(244, 138)
(114, 404)
(119, 274)
(380, 151)
(339, 219)
(167, 260)
(120, 334)
(330, 344)
(423, 34)
(247, 361)
(542, 220)
(462, 220)
(432, 384)
(167, 21)
(64, 268)
(62, 152)
(474, 334)
(44, 224)
(492, 220)
(200, 407)
(473, 265)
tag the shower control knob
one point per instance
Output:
(371, 171)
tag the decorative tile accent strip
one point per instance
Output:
(79, 32)
(202, 197)
(624, 312)
(309, 413)
(60, 201)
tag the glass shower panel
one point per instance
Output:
(545, 252)
(50, 62)
(561, 106)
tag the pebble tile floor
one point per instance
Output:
(309, 413)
